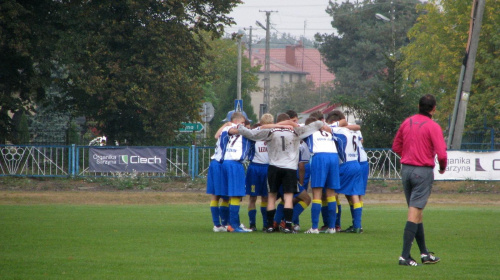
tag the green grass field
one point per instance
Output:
(176, 242)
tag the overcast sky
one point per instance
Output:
(289, 17)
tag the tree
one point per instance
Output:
(385, 113)
(26, 40)
(435, 54)
(134, 67)
(221, 74)
(358, 50)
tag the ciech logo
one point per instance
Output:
(126, 159)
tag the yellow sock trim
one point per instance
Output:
(338, 200)
(224, 204)
(235, 201)
(304, 205)
(317, 201)
(250, 209)
(350, 203)
(324, 203)
(282, 202)
(214, 203)
(331, 199)
(362, 203)
(357, 205)
(263, 204)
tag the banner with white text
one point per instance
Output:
(127, 159)
(470, 166)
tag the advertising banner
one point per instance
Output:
(470, 166)
(127, 159)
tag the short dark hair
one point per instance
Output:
(318, 115)
(292, 114)
(335, 115)
(426, 104)
(282, 117)
(310, 120)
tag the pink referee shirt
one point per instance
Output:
(418, 140)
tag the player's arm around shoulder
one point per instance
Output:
(304, 131)
(253, 134)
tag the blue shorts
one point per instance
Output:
(256, 179)
(325, 171)
(214, 178)
(365, 171)
(351, 182)
(233, 178)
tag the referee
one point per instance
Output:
(417, 141)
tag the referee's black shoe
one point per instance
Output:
(429, 258)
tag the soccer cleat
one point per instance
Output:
(348, 229)
(296, 228)
(229, 228)
(408, 262)
(312, 230)
(282, 225)
(242, 227)
(429, 258)
(338, 229)
(253, 228)
(271, 230)
(288, 230)
(330, 231)
(323, 229)
(354, 230)
(220, 229)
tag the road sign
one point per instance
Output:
(238, 105)
(190, 127)
(207, 112)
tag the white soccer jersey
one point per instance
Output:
(283, 144)
(236, 146)
(219, 151)
(347, 143)
(321, 142)
(361, 150)
(258, 153)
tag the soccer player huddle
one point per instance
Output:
(284, 159)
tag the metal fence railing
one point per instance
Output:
(184, 161)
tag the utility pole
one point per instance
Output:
(238, 81)
(250, 46)
(457, 127)
(267, 78)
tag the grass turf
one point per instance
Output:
(177, 242)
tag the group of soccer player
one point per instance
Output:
(284, 158)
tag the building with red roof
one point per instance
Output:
(288, 65)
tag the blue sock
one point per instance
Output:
(315, 211)
(234, 216)
(224, 213)
(339, 215)
(357, 212)
(252, 213)
(263, 211)
(324, 213)
(214, 209)
(332, 211)
(297, 210)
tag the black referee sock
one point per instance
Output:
(270, 217)
(420, 238)
(288, 215)
(408, 237)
